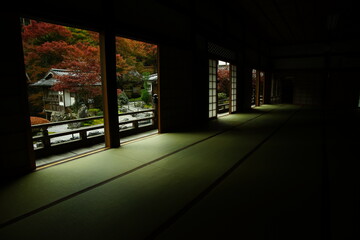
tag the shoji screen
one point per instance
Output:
(233, 88)
(212, 88)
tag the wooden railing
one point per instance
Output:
(54, 98)
(45, 142)
(223, 105)
(53, 107)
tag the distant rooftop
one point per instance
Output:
(50, 78)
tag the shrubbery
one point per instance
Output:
(145, 96)
(123, 99)
(222, 96)
(95, 112)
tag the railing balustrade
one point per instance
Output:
(223, 105)
(51, 99)
(44, 140)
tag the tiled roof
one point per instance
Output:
(50, 78)
(153, 77)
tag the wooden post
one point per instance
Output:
(155, 111)
(83, 135)
(46, 139)
(136, 124)
(257, 89)
(268, 87)
(262, 82)
(108, 76)
(15, 158)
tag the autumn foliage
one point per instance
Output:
(84, 78)
(38, 120)
(53, 46)
(135, 55)
(223, 77)
(45, 45)
(49, 46)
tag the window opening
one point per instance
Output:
(137, 86)
(222, 88)
(258, 88)
(261, 87)
(254, 84)
(224, 84)
(275, 97)
(64, 88)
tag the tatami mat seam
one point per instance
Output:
(215, 183)
(53, 203)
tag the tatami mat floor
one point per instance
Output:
(256, 175)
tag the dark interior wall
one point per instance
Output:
(300, 71)
(151, 20)
(318, 74)
(301, 86)
(343, 89)
(307, 88)
(245, 88)
(175, 88)
(15, 154)
(249, 59)
(200, 81)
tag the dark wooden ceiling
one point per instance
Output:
(273, 22)
(289, 22)
(279, 22)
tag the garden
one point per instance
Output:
(64, 80)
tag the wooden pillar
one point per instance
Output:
(16, 151)
(239, 85)
(108, 76)
(267, 87)
(244, 88)
(257, 89)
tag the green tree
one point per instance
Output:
(145, 95)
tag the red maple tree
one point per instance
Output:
(83, 63)
(223, 77)
(49, 46)
(44, 46)
(77, 51)
(135, 55)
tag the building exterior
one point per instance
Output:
(152, 83)
(133, 82)
(55, 101)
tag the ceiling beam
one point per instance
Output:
(284, 20)
(268, 19)
(301, 22)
